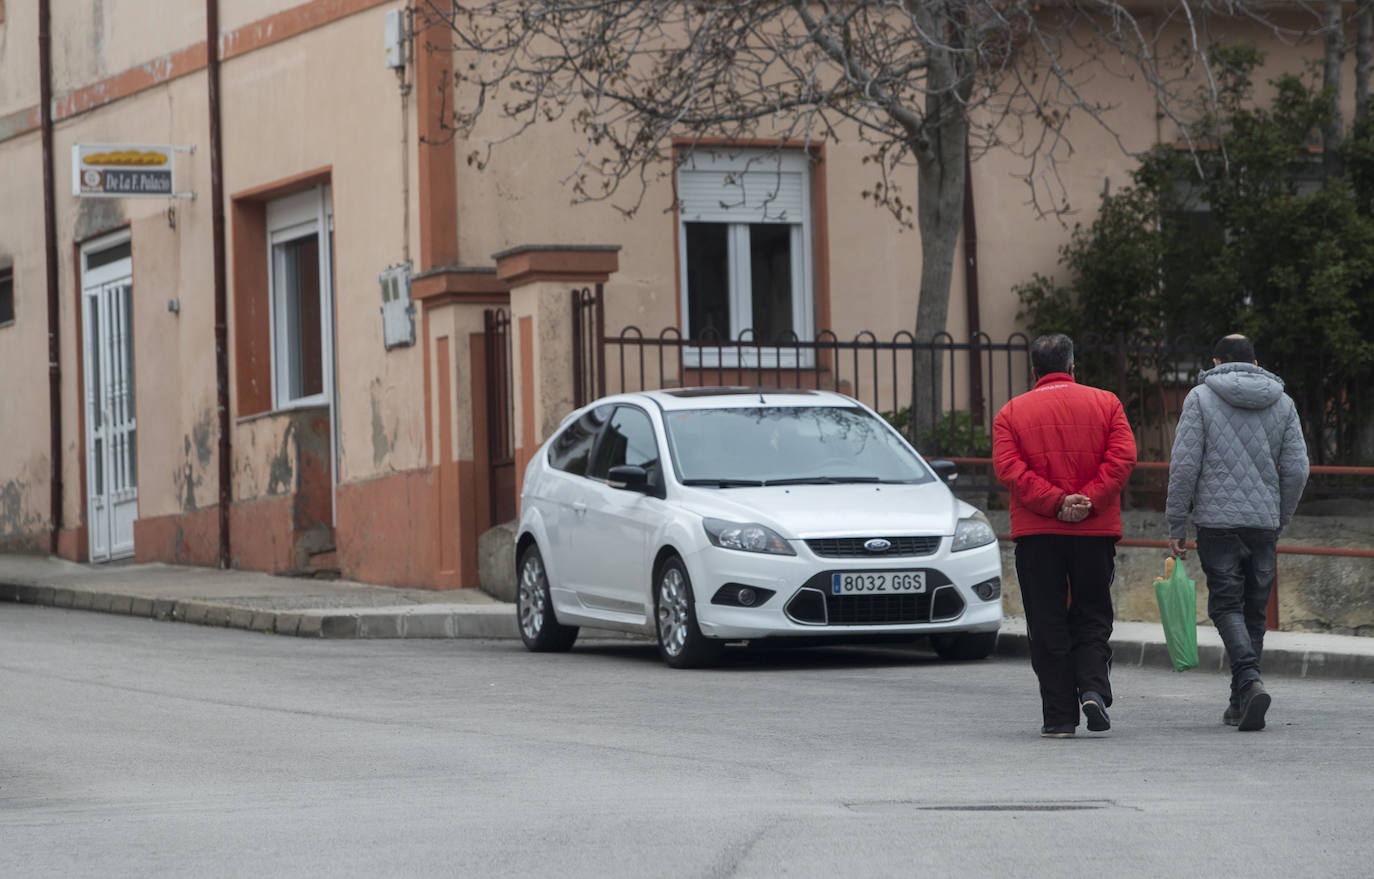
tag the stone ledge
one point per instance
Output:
(573, 263)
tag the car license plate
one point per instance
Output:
(877, 583)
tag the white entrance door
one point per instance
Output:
(107, 288)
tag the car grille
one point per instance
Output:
(848, 610)
(812, 604)
(853, 547)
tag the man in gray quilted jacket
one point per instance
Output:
(1239, 465)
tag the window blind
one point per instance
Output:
(741, 192)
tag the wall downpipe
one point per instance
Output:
(212, 50)
(50, 246)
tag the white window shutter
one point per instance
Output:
(768, 189)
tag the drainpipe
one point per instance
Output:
(50, 245)
(976, 401)
(221, 298)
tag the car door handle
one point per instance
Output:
(580, 508)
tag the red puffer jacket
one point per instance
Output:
(1057, 439)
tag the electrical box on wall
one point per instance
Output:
(395, 38)
(398, 312)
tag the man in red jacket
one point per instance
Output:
(1064, 452)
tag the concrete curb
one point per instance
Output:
(404, 621)
(1278, 661)
(497, 621)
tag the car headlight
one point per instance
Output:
(973, 532)
(746, 536)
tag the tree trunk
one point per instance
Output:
(1331, 82)
(1363, 39)
(939, 212)
(939, 148)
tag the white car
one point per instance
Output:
(708, 515)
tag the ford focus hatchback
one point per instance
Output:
(703, 516)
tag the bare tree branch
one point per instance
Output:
(637, 83)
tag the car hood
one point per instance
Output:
(850, 510)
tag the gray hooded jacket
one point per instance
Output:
(1239, 459)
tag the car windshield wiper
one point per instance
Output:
(821, 480)
(725, 483)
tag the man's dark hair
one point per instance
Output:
(1052, 352)
(1234, 349)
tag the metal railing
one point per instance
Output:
(964, 383)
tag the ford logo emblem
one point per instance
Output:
(877, 544)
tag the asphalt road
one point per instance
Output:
(130, 747)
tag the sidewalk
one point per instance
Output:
(259, 602)
(341, 609)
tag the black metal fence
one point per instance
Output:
(589, 354)
(500, 414)
(975, 377)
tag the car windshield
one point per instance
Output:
(786, 445)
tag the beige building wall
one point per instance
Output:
(174, 366)
(874, 262)
(321, 99)
(94, 39)
(25, 467)
(305, 92)
(18, 59)
(25, 463)
(324, 99)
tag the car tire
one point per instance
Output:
(964, 645)
(534, 615)
(680, 642)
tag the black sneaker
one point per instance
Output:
(1096, 712)
(1231, 716)
(1063, 731)
(1254, 701)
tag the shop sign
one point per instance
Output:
(120, 170)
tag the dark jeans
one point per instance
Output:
(1239, 564)
(1066, 588)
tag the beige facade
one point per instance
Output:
(381, 471)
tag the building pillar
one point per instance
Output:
(541, 278)
(443, 550)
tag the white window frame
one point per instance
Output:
(740, 210)
(290, 218)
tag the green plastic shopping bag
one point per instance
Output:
(1177, 597)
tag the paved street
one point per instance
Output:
(133, 748)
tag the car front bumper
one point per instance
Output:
(794, 608)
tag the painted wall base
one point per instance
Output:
(25, 544)
(185, 539)
(397, 530)
(74, 544)
(390, 532)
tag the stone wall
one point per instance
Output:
(1316, 593)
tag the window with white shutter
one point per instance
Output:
(744, 233)
(300, 237)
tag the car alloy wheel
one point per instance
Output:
(539, 627)
(672, 611)
(531, 599)
(680, 641)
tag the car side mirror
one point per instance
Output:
(628, 477)
(945, 469)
